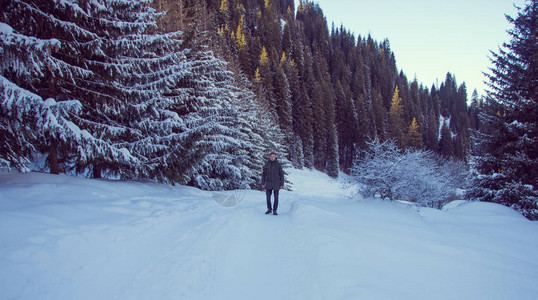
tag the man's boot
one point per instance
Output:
(268, 211)
(274, 212)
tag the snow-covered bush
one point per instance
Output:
(411, 175)
(456, 170)
(374, 171)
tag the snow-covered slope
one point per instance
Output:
(71, 238)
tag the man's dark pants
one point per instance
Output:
(268, 194)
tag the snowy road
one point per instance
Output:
(71, 238)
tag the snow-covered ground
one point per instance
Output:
(72, 238)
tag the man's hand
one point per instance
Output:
(263, 186)
(281, 187)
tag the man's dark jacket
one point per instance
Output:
(273, 175)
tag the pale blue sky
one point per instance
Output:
(431, 37)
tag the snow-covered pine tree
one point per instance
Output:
(141, 67)
(213, 114)
(505, 165)
(250, 125)
(30, 49)
(125, 76)
(17, 103)
(28, 123)
(77, 70)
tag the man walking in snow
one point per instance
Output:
(272, 181)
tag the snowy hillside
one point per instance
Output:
(72, 238)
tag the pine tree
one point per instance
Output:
(240, 38)
(224, 7)
(222, 153)
(85, 66)
(292, 77)
(303, 117)
(414, 136)
(332, 162)
(256, 127)
(282, 93)
(361, 93)
(396, 122)
(505, 165)
(448, 95)
(418, 109)
(136, 69)
(379, 116)
(474, 120)
(446, 143)
(320, 128)
(433, 131)
(28, 124)
(264, 80)
(306, 109)
(347, 125)
(26, 120)
(264, 58)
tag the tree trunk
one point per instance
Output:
(53, 159)
(96, 171)
(180, 6)
(53, 147)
